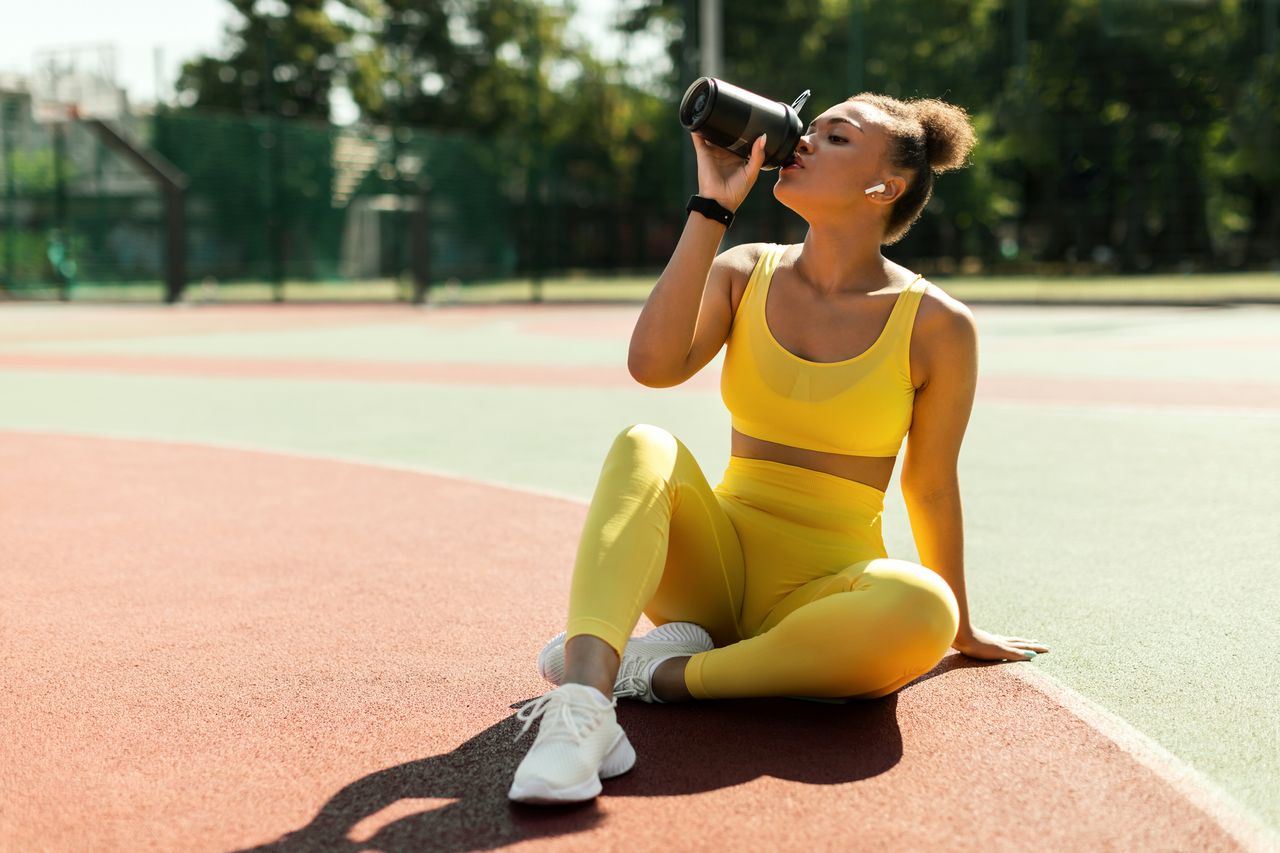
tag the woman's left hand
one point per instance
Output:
(983, 645)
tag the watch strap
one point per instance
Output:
(711, 209)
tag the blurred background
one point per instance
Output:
(433, 149)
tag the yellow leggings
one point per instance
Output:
(784, 567)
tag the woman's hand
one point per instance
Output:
(983, 645)
(723, 175)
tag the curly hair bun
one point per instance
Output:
(948, 134)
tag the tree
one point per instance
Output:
(570, 135)
(481, 66)
(283, 60)
(912, 48)
(1102, 123)
(1246, 163)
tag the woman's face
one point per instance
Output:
(841, 154)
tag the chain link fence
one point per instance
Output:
(266, 202)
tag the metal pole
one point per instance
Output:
(396, 114)
(172, 183)
(711, 50)
(275, 230)
(422, 244)
(857, 48)
(1020, 33)
(10, 192)
(157, 69)
(1269, 50)
(533, 190)
(395, 249)
(175, 275)
(689, 170)
(275, 236)
(60, 209)
(1269, 27)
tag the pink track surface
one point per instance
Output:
(212, 649)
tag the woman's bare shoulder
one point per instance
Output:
(944, 318)
(736, 265)
(741, 259)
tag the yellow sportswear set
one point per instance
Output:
(784, 566)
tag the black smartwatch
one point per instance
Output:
(713, 210)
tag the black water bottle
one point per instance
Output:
(732, 118)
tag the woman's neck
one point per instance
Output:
(834, 261)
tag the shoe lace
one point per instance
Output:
(631, 685)
(575, 718)
(635, 676)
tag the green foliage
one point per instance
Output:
(283, 60)
(1254, 124)
(481, 65)
(34, 170)
(26, 257)
(1102, 123)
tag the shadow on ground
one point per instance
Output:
(683, 749)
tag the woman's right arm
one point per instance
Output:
(687, 316)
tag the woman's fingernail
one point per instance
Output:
(1030, 655)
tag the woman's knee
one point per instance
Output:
(918, 597)
(911, 621)
(645, 438)
(645, 446)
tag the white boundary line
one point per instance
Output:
(1197, 788)
(297, 454)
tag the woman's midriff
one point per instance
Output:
(874, 471)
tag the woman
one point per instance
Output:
(776, 582)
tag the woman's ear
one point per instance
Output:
(887, 191)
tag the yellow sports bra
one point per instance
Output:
(859, 406)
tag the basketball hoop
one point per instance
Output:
(76, 82)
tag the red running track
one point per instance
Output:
(211, 649)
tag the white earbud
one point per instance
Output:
(878, 188)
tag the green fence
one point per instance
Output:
(272, 201)
(276, 202)
(266, 201)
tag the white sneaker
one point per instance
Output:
(579, 743)
(640, 657)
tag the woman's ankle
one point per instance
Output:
(668, 680)
(591, 661)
